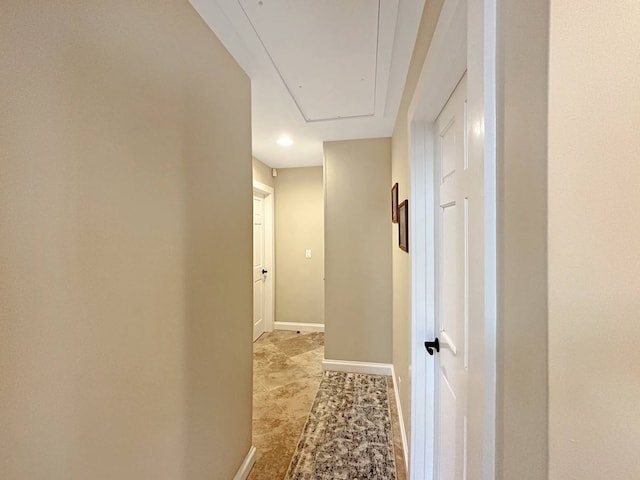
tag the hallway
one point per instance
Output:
(287, 369)
(129, 131)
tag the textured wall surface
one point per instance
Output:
(262, 173)
(358, 250)
(594, 233)
(125, 292)
(522, 83)
(299, 226)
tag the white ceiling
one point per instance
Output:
(320, 69)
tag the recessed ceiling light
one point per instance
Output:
(285, 142)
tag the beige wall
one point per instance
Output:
(523, 33)
(262, 173)
(400, 174)
(125, 291)
(594, 234)
(358, 250)
(299, 226)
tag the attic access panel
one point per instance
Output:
(325, 51)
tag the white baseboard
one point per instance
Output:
(247, 463)
(295, 326)
(403, 432)
(358, 367)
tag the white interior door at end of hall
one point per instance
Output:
(452, 246)
(258, 266)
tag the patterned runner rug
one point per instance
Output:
(348, 433)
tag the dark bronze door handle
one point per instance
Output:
(431, 345)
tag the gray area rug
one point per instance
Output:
(348, 433)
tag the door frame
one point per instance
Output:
(269, 253)
(464, 41)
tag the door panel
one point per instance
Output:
(447, 441)
(258, 266)
(448, 141)
(452, 243)
(449, 277)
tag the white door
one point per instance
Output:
(259, 271)
(453, 240)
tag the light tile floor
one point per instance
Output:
(287, 369)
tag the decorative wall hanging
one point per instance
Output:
(394, 203)
(403, 226)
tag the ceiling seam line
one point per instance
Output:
(375, 75)
(331, 119)
(253, 27)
